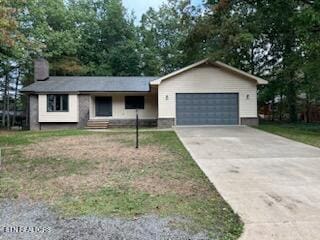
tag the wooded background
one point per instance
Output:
(278, 40)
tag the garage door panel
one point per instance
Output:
(207, 109)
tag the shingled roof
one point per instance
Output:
(90, 84)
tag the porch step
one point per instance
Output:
(97, 124)
(97, 127)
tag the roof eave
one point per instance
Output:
(84, 92)
(158, 81)
(125, 91)
(258, 80)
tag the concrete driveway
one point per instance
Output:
(273, 183)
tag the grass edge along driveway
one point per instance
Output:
(300, 132)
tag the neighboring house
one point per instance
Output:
(204, 93)
(308, 111)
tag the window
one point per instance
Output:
(134, 102)
(57, 103)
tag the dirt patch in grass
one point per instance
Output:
(76, 164)
(6, 132)
(75, 185)
(95, 148)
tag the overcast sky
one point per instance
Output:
(141, 6)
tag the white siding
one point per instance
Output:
(207, 80)
(150, 110)
(71, 116)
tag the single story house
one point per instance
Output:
(204, 93)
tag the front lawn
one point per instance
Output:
(305, 133)
(83, 173)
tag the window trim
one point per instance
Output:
(129, 107)
(55, 100)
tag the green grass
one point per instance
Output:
(47, 168)
(119, 196)
(168, 140)
(305, 133)
(9, 187)
(8, 139)
(210, 214)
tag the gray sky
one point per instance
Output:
(141, 6)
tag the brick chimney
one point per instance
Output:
(41, 69)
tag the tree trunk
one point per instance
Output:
(3, 109)
(280, 107)
(15, 99)
(308, 120)
(292, 101)
(8, 106)
(272, 109)
(307, 107)
(289, 68)
(252, 65)
(4, 102)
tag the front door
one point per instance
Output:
(103, 106)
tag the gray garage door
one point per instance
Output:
(207, 109)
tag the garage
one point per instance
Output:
(207, 93)
(207, 109)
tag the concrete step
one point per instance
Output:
(97, 120)
(97, 124)
(96, 127)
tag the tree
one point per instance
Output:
(308, 25)
(109, 43)
(163, 34)
(15, 48)
(99, 37)
(275, 47)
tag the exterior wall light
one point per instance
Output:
(248, 96)
(167, 97)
